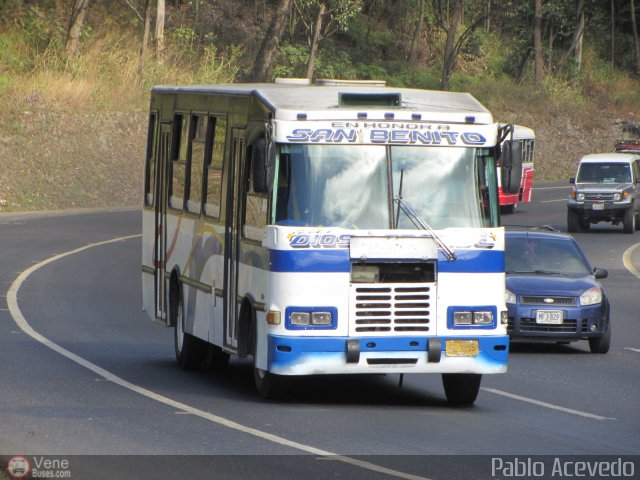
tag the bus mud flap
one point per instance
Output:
(434, 350)
(353, 350)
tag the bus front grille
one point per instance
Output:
(391, 308)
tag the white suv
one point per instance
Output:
(606, 188)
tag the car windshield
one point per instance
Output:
(350, 186)
(544, 255)
(604, 173)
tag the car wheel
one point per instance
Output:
(573, 222)
(601, 344)
(189, 349)
(629, 221)
(461, 388)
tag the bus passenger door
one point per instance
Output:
(232, 239)
(160, 251)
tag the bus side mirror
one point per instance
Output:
(262, 165)
(511, 166)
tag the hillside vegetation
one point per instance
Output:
(72, 130)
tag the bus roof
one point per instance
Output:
(291, 101)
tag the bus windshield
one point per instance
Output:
(348, 186)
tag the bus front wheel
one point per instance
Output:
(270, 385)
(461, 388)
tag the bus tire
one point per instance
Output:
(189, 349)
(268, 385)
(461, 388)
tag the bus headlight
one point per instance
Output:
(321, 318)
(462, 318)
(482, 318)
(300, 318)
(311, 317)
(592, 296)
(509, 297)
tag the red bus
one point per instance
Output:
(509, 202)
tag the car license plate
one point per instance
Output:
(549, 317)
(462, 348)
(598, 206)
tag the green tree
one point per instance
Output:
(323, 18)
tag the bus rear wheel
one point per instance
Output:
(461, 388)
(189, 350)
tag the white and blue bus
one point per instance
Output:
(327, 229)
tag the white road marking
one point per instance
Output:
(550, 188)
(637, 350)
(546, 405)
(553, 201)
(626, 259)
(16, 313)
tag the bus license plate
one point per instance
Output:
(462, 348)
(598, 206)
(549, 317)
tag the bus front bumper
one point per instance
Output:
(336, 355)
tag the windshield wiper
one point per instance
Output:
(539, 272)
(419, 222)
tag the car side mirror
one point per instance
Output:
(572, 180)
(600, 273)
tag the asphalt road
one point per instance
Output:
(85, 374)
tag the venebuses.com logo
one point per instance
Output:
(34, 467)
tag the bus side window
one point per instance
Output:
(196, 162)
(179, 148)
(216, 138)
(150, 161)
(255, 208)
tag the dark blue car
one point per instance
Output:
(553, 292)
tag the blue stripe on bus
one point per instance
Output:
(330, 260)
(337, 261)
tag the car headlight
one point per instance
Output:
(510, 297)
(616, 197)
(592, 296)
(580, 197)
